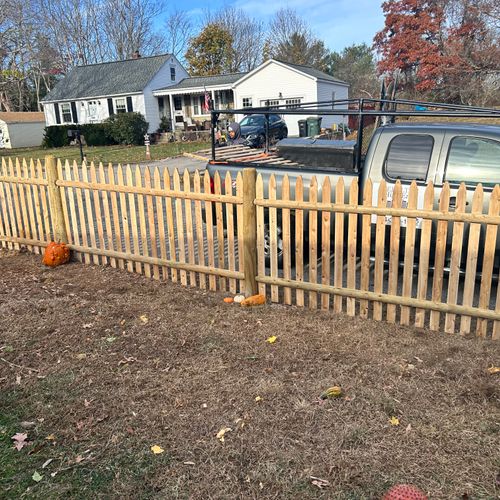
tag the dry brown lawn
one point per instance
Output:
(95, 386)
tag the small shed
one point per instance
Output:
(21, 129)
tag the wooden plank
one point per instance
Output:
(125, 217)
(379, 251)
(392, 284)
(82, 224)
(119, 209)
(240, 232)
(199, 229)
(35, 189)
(170, 226)
(10, 207)
(352, 244)
(73, 233)
(423, 259)
(313, 242)
(219, 217)
(179, 219)
(189, 226)
(366, 247)
(29, 205)
(441, 235)
(261, 258)
(338, 264)
(89, 213)
(134, 228)
(287, 247)
(55, 200)
(162, 240)
(143, 248)
(64, 202)
(18, 218)
(7, 208)
(212, 283)
(326, 197)
(44, 202)
(151, 223)
(409, 256)
(456, 257)
(107, 216)
(299, 240)
(273, 238)
(231, 257)
(97, 209)
(496, 324)
(26, 231)
(472, 254)
(488, 261)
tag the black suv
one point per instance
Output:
(253, 129)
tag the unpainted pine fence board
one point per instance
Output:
(23, 204)
(162, 240)
(261, 258)
(143, 238)
(231, 256)
(219, 218)
(29, 206)
(18, 223)
(89, 212)
(68, 195)
(395, 233)
(44, 203)
(134, 227)
(199, 229)
(326, 197)
(287, 240)
(239, 229)
(409, 252)
(125, 216)
(352, 244)
(338, 274)
(440, 254)
(423, 258)
(117, 216)
(366, 248)
(6, 208)
(171, 226)
(179, 219)
(107, 212)
(63, 192)
(299, 240)
(82, 227)
(209, 218)
(189, 225)
(378, 279)
(472, 256)
(313, 242)
(273, 237)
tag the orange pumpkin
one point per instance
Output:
(254, 300)
(228, 300)
(55, 254)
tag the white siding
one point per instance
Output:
(21, 135)
(325, 90)
(269, 82)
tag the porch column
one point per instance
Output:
(213, 97)
(171, 102)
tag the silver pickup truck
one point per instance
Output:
(438, 152)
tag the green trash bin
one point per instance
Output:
(313, 125)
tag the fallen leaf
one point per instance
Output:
(394, 421)
(20, 440)
(51, 437)
(81, 356)
(27, 425)
(271, 340)
(189, 463)
(110, 339)
(18, 379)
(122, 322)
(144, 318)
(47, 462)
(320, 483)
(493, 370)
(36, 477)
(157, 450)
(222, 432)
(408, 428)
(258, 398)
(87, 403)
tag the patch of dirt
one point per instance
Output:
(124, 363)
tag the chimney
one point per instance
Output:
(136, 55)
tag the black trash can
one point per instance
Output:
(302, 128)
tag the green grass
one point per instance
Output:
(106, 154)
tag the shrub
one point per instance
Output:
(56, 136)
(127, 128)
(165, 124)
(95, 134)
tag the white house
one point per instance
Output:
(92, 93)
(159, 87)
(21, 130)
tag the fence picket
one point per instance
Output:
(287, 240)
(338, 277)
(472, 255)
(273, 237)
(134, 228)
(108, 243)
(125, 219)
(228, 185)
(7, 208)
(69, 197)
(45, 208)
(189, 225)
(239, 224)
(199, 229)
(143, 234)
(170, 225)
(488, 261)
(395, 234)
(313, 242)
(423, 259)
(261, 258)
(162, 240)
(352, 238)
(209, 218)
(379, 250)
(22, 203)
(118, 216)
(180, 226)
(151, 223)
(366, 248)
(30, 193)
(326, 197)
(442, 232)
(219, 217)
(299, 240)
(88, 209)
(97, 210)
(82, 224)
(14, 193)
(409, 256)
(456, 256)
(496, 324)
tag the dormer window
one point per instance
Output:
(172, 73)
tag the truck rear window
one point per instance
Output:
(473, 160)
(409, 156)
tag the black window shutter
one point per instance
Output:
(110, 107)
(73, 112)
(129, 104)
(56, 110)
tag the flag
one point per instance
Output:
(206, 104)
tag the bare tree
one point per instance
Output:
(178, 31)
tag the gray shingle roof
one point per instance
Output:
(111, 78)
(316, 73)
(205, 81)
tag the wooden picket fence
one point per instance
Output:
(429, 266)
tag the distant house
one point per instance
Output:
(21, 130)
(160, 87)
(92, 93)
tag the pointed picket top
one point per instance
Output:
(340, 191)
(187, 180)
(228, 184)
(327, 185)
(147, 176)
(272, 185)
(259, 187)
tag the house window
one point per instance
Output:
(66, 112)
(409, 156)
(92, 105)
(120, 106)
(178, 103)
(272, 102)
(172, 73)
(292, 103)
(198, 103)
(247, 102)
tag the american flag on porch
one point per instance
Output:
(206, 104)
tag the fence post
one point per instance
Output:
(249, 231)
(55, 200)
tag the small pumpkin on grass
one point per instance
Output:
(55, 254)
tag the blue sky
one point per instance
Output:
(338, 22)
